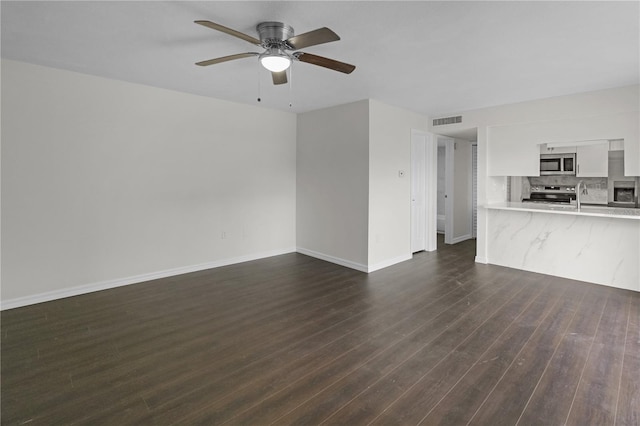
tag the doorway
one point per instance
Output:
(457, 190)
(446, 189)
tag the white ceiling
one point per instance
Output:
(429, 57)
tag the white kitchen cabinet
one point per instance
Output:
(616, 145)
(632, 156)
(544, 149)
(593, 159)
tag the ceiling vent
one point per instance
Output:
(447, 120)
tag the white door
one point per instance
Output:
(441, 186)
(418, 211)
(449, 188)
(424, 186)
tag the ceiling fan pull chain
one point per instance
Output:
(290, 85)
(259, 85)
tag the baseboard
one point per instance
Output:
(461, 239)
(353, 265)
(338, 261)
(105, 285)
(482, 260)
(389, 262)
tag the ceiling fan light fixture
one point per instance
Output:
(275, 62)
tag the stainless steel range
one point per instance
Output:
(551, 194)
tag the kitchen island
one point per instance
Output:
(600, 245)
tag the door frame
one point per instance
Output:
(418, 193)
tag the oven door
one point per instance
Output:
(624, 195)
(624, 192)
(549, 198)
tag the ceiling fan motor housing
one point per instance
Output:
(273, 34)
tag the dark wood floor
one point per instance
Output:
(291, 339)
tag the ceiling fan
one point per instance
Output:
(277, 39)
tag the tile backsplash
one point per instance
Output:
(596, 187)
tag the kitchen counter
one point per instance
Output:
(599, 245)
(566, 209)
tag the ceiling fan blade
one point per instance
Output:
(325, 62)
(226, 58)
(312, 38)
(229, 31)
(279, 77)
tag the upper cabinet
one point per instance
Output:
(592, 159)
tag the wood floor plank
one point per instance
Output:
(305, 408)
(188, 380)
(628, 404)
(554, 392)
(461, 403)
(427, 399)
(106, 380)
(353, 316)
(274, 373)
(407, 385)
(292, 339)
(506, 401)
(597, 393)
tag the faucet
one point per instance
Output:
(579, 192)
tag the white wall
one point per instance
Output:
(105, 181)
(353, 207)
(601, 102)
(389, 193)
(333, 184)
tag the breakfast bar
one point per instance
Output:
(600, 245)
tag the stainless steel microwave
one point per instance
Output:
(557, 164)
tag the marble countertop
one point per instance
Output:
(598, 211)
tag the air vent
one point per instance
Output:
(447, 120)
